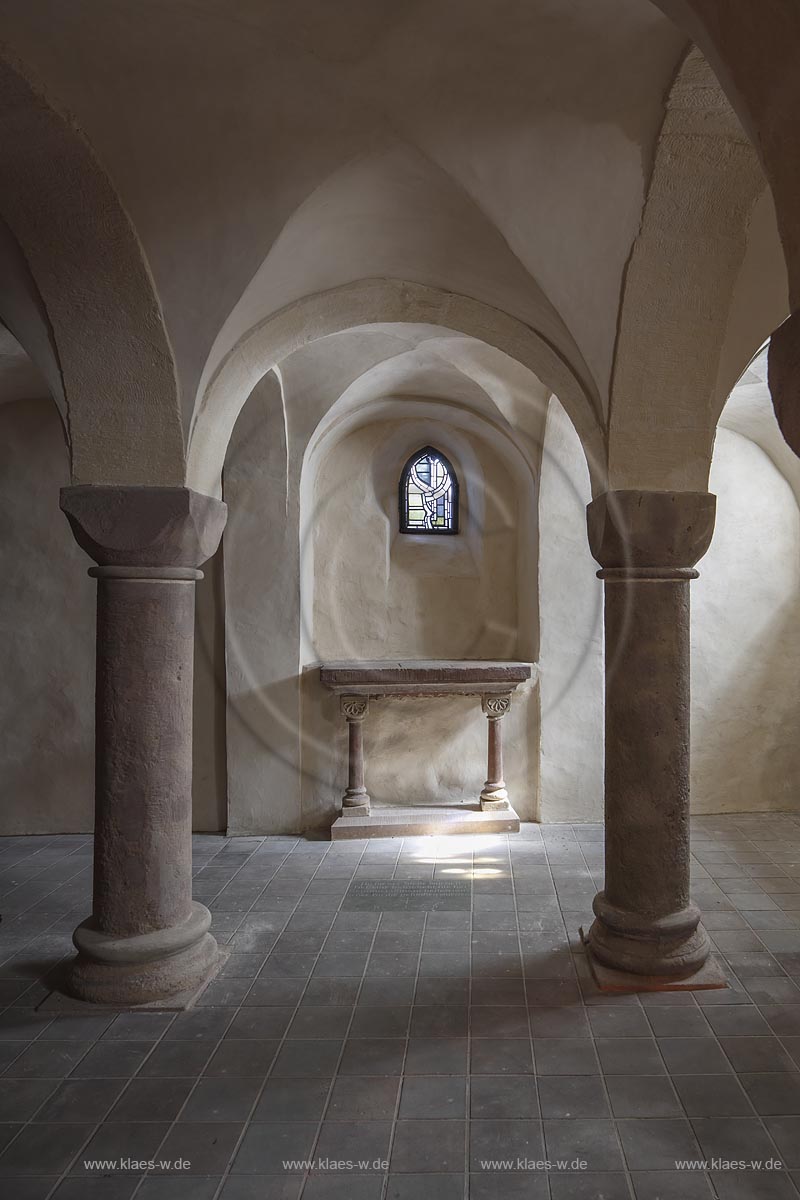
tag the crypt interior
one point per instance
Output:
(400, 505)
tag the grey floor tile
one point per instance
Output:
(319, 1022)
(615, 1021)
(593, 1142)
(423, 1146)
(119, 1187)
(239, 1056)
(642, 1096)
(712, 1096)
(307, 1058)
(373, 1056)
(439, 1020)
(559, 1022)
(292, 1099)
(656, 1145)
(82, 1100)
(177, 1059)
(43, 1149)
(756, 1054)
(261, 1024)
(432, 1187)
(773, 1095)
(47, 1060)
(671, 1185)
(364, 1097)
(381, 1021)
(172, 1187)
(222, 1099)
(495, 1097)
(732, 1138)
(365, 1142)
(20, 1098)
(737, 1021)
(566, 1096)
(676, 1021)
(207, 1147)
(493, 1141)
(436, 1056)
(333, 1187)
(121, 1140)
(752, 1185)
(693, 1056)
(134, 1027)
(434, 1097)
(565, 1056)
(496, 1056)
(785, 1132)
(112, 1060)
(499, 1185)
(588, 1185)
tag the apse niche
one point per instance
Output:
(417, 550)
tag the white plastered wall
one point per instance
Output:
(746, 618)
(571, 614)
(47, 633)
(377, 594)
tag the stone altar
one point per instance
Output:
(357, 683)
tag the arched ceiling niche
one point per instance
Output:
(385, 307)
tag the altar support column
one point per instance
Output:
(355, 802)
(494, 795)
(645, 923)
(145, 940)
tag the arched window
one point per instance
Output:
(428, 494)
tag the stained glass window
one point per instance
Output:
(428, 494)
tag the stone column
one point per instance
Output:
(494, 794)
(355, 802)
(145, 940)
(647, 544)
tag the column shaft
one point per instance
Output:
(143, 754)
(146, 940)
(645, 923)
(355, 801)
(494, 794)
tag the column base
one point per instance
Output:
(674, 946)
(494, 799)
(612, 981)
(356, 804)
(145, 968)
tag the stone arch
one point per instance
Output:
(705, 181)
(374, 302)
(94, 284)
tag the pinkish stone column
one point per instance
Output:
(146, 939)
(647, 544)
(356, 801)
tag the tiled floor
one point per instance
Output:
(440, 1042)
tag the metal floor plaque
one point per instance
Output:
(408, 895)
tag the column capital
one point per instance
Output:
(495, 706)
(148, 527)
(354, 708)
(638, 529)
